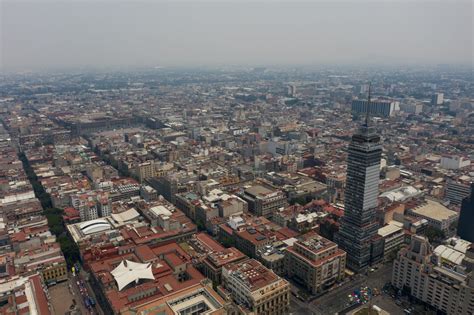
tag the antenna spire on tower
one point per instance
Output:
(368, 104)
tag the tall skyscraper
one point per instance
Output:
(466, 217)
(358, 229)
(437, 99)
(292, 90)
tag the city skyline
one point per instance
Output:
(205, 181)
(209, 157)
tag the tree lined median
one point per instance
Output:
(53, 215)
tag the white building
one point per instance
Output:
(437, 99)
(412, 108)
(457, 191)
(393, 236)
(380, 108)
(401, 194)
(453, 251)
(454, 162)
(447, 287)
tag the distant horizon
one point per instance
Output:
(234, 67)
(51, 35)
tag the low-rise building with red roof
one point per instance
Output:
(122, 289)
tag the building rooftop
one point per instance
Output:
(180, 301)
(434, 210)
(135, 275)
(259, 191)
(450, 254)
(129, 271)
(402, 193)
(161, 211)
(315, 249)
(94, 226)
(27, 296)
(252, 273)
(389, 229)
(125, 216)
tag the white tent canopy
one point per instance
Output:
(123, 217)
(130, 271)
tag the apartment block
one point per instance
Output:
(456, 191)
(315, 262)
(447, 287)
(255, 289)
(394, 237)
(263, 201)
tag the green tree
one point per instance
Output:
(299, 200)
(227, 241)
(200, 225)
(69, 249)
(53, 215)
(328, 229)
(434, 235)
(453, 226)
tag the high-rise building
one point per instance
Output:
(411, 108)
(315, 262)
(454, 162)
(457, 190)
(437, 99)
(466, 217)
(292, 90)
(364, 88)
(359, 227)
(430, 277)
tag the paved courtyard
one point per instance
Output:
(61, 297)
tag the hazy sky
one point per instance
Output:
(55, 34)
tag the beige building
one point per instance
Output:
(387, 213)
(55, 272)
(95, 172)
(447, 287)
(144, 170)
(437, 215)
(263, 201)
(255, 289)
(315, 262)
(394, 237)
(150, 169)
(392, 173)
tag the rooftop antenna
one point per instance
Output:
(368, 104)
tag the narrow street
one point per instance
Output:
(82, 291)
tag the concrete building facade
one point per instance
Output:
(315, 262)
(359, 224)
(449, 289)
(263, 201)
(256, 289)
(456, 191)
(376, 108)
